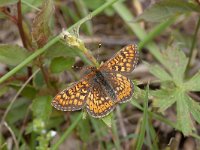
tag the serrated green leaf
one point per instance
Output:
(175, 61)
(12, 54)
(41, 107)
(166, 9)
(40, 28)
(193, 84)
(183, 114)
(60, 64)
(159, 72)
(4, 3)
(163, 99)
(194, 108)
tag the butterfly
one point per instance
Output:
(103, 88)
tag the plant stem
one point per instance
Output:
(53, 41)
(19, 24)
(193, 45)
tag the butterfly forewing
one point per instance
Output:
(123, 61)
(74, 97)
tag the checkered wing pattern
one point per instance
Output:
(98, 103)
(74, 97)
(122, 86)
(123, 61)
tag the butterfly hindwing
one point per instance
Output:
(98, 103)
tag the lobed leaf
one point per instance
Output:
(159, 72)
(175, 62)
(194, 109)
(163, 99)
(193, 84)
(184, 121)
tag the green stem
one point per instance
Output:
(53, 41)
(155, 32)
(193, 45)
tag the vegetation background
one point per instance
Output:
(36, 63)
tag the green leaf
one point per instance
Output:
(12, 54)
(38, 80)
(183, 114)
(18, 111)
(159, 72)
(166, 9)
(60, 49)
(40, 28)
(194, 108)
(175, 61)
(108, 120)
(83, 127)
(193, 84)
(41, 107)
(29, 91)
(163, 99)
(4, 3)
(60, 64)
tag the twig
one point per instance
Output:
(13, 135)
(19, 24)
(122, 127)
(15, 97)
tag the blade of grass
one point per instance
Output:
(84, 12)
(157, 30)
(163, 119)
(145, 38)
(53, 41)
(193, 45)
(141, 136)
(67, 132)
(115, 135)
(153, 135)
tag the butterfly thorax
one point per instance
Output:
(102, 81)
